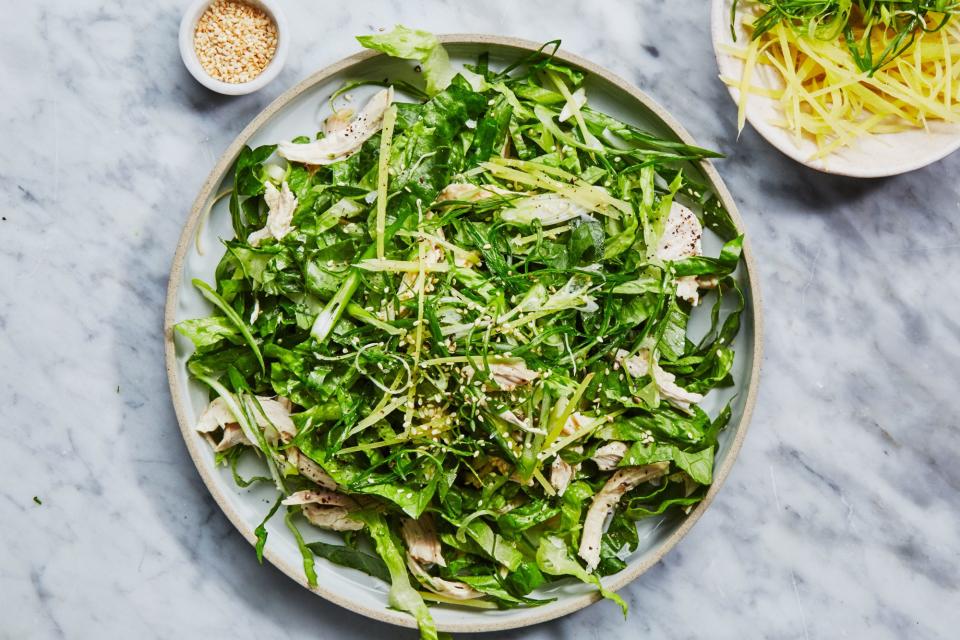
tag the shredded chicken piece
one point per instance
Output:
(280, 207)
(274, 419)
(510, 417)
(449, 588)
(420, 536)
(310, 469)
(681, 239)
(256, 311)
(575, 422)
(606, 499)
(708, 282)
(278, 414)
(341, 140)
(507, 375)
(609, 455)
(561, 473)
(338, 122)
(321, 497)
(232, 436)
(217, 415)
(638, 366)
(333, 518)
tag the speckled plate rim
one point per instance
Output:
(534, 615)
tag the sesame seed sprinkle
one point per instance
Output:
(235, 41)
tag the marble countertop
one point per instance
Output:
(841, 518)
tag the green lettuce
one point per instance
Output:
(425, 48)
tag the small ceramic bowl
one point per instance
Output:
(871, 156)
(188, 26)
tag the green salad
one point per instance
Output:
(453, 327)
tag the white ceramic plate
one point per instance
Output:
(301, 110)
(871, 156)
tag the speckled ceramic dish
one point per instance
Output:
(300, 110)
(871, 156)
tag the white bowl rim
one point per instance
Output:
(533, 615)
(719, 28)
(188, 25)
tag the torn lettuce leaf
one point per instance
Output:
(425, 48)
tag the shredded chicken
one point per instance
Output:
(333, 518)
(708, 282)
(449, 588)
(341, 140)
(512, 418)
(606, 499)
(561, 473)
(232, 436)
(310, 469)
(217, 415)
(609, 455)
(638, 366)
(256, 311)
(507, 375)
(338, 122)
(280, 207)
(576, 422)
(682, 239)
(321, 497)
(420, 536)
(274, 419)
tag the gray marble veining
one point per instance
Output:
(840, 520)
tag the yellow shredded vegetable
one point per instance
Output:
(826, 98)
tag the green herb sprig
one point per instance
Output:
(856, 21)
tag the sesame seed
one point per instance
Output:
(235, 41)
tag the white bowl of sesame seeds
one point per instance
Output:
(234, 47)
